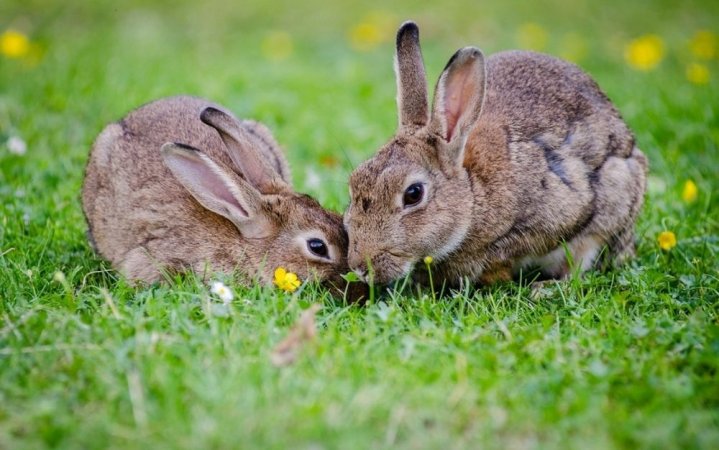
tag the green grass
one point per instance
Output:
(623, 359)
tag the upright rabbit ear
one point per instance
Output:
(243, 151)
(458, 98)
(412, 99)
(217, 188)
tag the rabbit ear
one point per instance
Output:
(242, 150)
(458, 97)
(217, 188)
(412, 99)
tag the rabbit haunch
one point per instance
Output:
(520, 153)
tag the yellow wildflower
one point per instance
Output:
(374, 29)
(690, 192)
(532, 36)
(667, 240)
(14, 44)
(428, 260)
(365, 36)
(645, 52)
(697, 73)
(703, 45)
(287, 281)
(277, 46)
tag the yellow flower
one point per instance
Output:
(667, 240)
(428, 260)
(14, 44)
(287, 281)
(698, 73)
(690, 192)
(374, 29)
(703, 45)
(277, 46)
(645, 52)
(365, 36)
(532, 36)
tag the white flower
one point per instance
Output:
(218, 288)
(16, 145)
(312, 179)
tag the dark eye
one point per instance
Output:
(413, 194)
(318, 247)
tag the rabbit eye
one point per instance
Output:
(318, 247)
(413, 194)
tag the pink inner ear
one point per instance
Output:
(459, 89)
(206, 183)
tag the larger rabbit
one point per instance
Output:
(521, 160)
(181, 184)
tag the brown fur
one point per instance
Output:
(547, 160)
(145, 222)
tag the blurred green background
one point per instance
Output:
(320, 73)
(633, 364)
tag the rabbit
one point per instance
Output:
(181, 184)
(522, 162)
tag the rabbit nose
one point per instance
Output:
(358, 264)
(361, 273)
(360, 268)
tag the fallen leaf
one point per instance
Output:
(304, 331)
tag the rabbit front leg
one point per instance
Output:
(138, 265)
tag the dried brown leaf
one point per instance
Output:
(304, 331)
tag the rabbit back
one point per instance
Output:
(134, 206)
(569, 168)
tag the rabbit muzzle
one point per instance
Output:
(381, 267)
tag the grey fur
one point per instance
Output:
(148, 220)
(548, 160)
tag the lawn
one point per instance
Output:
(627, 358)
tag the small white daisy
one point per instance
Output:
(16, 145)
(312, 179)
(218, 288)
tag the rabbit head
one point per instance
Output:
(414, 198)
(277, 226)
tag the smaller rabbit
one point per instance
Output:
(521, 154)
(181, 184)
